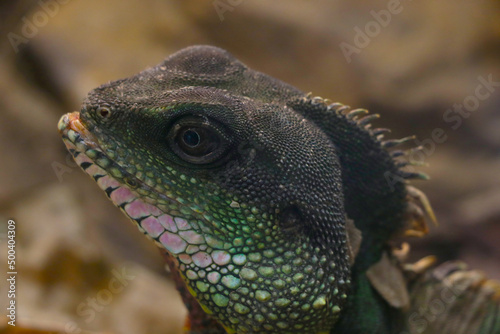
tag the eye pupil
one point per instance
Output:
(191, 138)
(198, 140)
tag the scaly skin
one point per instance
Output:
(246, 183)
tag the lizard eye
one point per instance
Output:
(198, 140)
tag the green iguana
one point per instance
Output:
(277, 210)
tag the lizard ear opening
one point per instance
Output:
(291, 219)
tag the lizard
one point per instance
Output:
(275, 209)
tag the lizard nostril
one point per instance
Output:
(104, 112)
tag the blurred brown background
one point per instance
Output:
(412, 67)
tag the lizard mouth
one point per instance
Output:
(71, 121)
(169, 231)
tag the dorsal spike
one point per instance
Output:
(318, 100)
(395, 142)
(356, 112)
(367, 119)
(422, 200)
(338, 108)
(343, 110)
(335, 105)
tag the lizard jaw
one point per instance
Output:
(165, 229)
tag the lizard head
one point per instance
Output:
(208, 159)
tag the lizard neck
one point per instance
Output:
(249, 286)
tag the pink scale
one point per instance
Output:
(83, 158)
(173, 243)
(95, 170)
(182, 224)
(202, 259)
(106, 182)
(168, 222)
(152, 227)
(192, 237)
(122, 195)
(138, 209)
(221, 257)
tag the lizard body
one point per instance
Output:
(253, 189)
